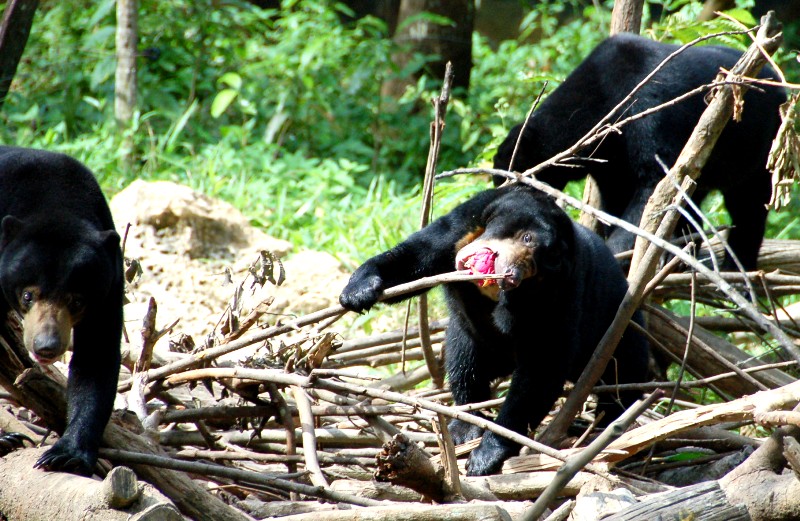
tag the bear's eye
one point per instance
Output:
(527, 238)
(27, 299)
(75, 304)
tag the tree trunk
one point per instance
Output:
(712, 6)
(125, 79)
(14, 31)
(626, 16)
(450, 42)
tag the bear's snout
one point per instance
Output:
(514, 276)
(47, 330)
(46, 346)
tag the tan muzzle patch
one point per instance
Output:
(47, 330)
(507, 257)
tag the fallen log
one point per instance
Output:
(42, 389)
(710, 355)
(457, 512)
(701, 502)
(762, 484)
(779, 254)
(57, 495)
(760, 489)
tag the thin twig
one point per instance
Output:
(525, 124)
(309, 440)
(687, 346)
(436, 129)
(702, 382)
(259, 478)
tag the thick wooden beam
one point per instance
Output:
(14, 31)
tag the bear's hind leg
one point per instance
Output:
(746, 206)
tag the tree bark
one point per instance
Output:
(125, 78)
(761, 482)
(712, 6)
(627, 16)
(386, 10)
(449, 43)
(457, 512)
(701, 502)
(14, 31)
(57, 495)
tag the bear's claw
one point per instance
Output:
(11, 441)
(61, 459)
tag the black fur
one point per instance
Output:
(631, 171)
(541, 329)
(59, 248)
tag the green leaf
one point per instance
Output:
(425, 17)
(175, 131)
(222, 101)
(231, 79)
(742, 15)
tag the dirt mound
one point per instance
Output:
(194, 250)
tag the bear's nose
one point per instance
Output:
(513, 278)
(46, 347)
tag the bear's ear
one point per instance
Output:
(10, 228)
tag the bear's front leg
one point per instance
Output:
(468, 372)
(533, 391)
(91, 389)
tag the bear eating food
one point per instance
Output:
(61, 270)
(628, 165)
(540, 323)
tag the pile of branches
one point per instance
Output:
(305, 430)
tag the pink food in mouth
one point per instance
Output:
(479, 262)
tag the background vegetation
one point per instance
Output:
(281, 114)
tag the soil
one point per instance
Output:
(194, 253)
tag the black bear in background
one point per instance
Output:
(627, 178)
(540, 324)
(61, 270)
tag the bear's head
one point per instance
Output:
(52, 271)
(526, 237)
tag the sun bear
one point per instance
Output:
(540, 323)
(61, 270)
(626, 165)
